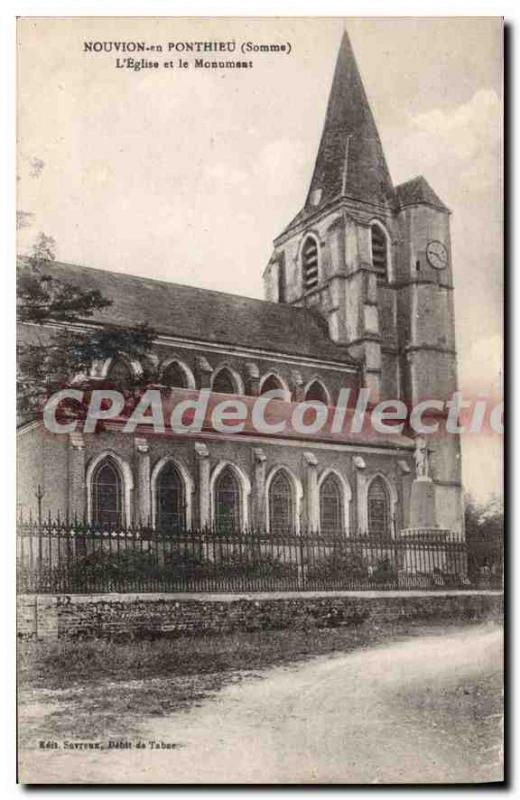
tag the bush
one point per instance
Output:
(181, 563)
(106, 568)
(384, 572)
(339, 563)
(257, 564)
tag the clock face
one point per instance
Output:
(437, 254)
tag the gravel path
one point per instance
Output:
(422, 710)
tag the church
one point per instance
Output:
(358, 293)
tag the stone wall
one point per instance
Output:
(126, 616)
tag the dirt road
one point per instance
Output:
(422, 710)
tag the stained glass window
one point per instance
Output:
(378, 509)
(281, 510)
(227, 502)
(170, 499)
(120, 373)
(316, 392)
(331, 507)
(174, 375)
(223, 382)
(271, 383)
(106, 494)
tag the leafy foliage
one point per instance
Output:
(384, 572)
(178, 564)
(339, 563)
(50, 357)
(484, 520)
(346, 564)
(485, 538)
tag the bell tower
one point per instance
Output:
(337, 254)
(374, 261)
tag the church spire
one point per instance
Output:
(350, 159)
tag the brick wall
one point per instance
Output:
(148, 616)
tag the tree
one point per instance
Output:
(484, 520)
(485, 539)
(24, 219)
(48, 358)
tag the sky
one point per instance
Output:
(188, 175)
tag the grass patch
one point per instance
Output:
(99, 688)
(64, 663)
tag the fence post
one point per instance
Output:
(39, 497)
(300, 550)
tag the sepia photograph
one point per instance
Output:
(259, 479)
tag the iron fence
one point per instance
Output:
(486, 560)
(62, 556)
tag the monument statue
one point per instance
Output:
(422, 458)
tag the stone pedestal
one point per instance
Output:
(422, 504)
(427, 553)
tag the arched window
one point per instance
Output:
(173, 375)
(281, 504)
(171, 509)
(331, 507)
(316, 391)
(223, 382)
(120, 373)
(310, 263)
(379, 250)
(270, 383)
(107, 494)
(227, 502)
(379, 519)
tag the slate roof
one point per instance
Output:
(350, 160)
(205, 315)
(418, 190)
